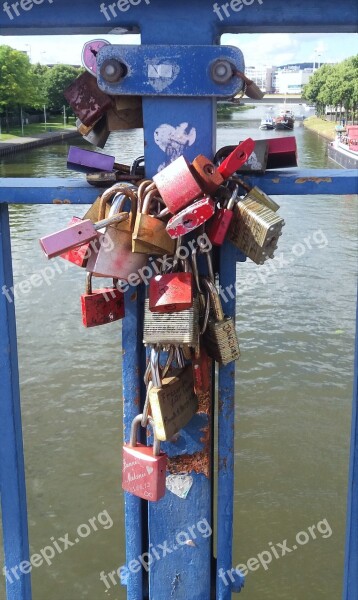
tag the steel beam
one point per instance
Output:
(262, 16)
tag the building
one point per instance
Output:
(291, 79)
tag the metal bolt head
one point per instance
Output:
(222, 71)
(112, 70)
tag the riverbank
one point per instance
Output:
(21, 144)
(326, 129)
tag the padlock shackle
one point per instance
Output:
(154, 365)
(147, 185)
(118, 218)
(237, 158)
(214, 298)
(148, 200)
(134, 434)
(128, 190)
(89, 283)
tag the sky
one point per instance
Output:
(258, 49)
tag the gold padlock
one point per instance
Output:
(173, 402)
(150, 235)
(126, 113)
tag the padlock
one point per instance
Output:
(144, 467)
(149, 234)
(87, 160)
(251, 89)
(173, 402)
(191, 217)
(106, 179)
(282, 152)
(80, 255)
(179, 328)
(127, 113)
(257, 161)
(87, 101)
(171, 292)
(76, 235)
(219, 225)
(211, 176)
(96, 134)
(201, 365)
(220, 337)
(258, 195)
(120, 262)
(101, 306)
(89, 55)
(177, 185)
(255, 229)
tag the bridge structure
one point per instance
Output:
(194, 571)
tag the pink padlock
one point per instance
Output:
(191, 217)
(89, 54)
(177, 185)
(76, 235)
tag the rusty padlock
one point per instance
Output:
(211, 176)
(251, 89)
(149, 234)
(191, 217)
(101, 306)
(87, 101)
(144, 467)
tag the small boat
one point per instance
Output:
(267, 123)
(285, 121)
(344, 149)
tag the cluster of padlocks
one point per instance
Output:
(136, 221)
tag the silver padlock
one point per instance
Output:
(175, 328)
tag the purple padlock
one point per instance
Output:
(80, 233)
(87, 160)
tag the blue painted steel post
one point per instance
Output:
(12, 474)
(351, 562)
(186, 572)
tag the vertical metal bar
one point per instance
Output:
(12, 472)
(350, 591)
(227, 581)
(133, 367)
(185, 571)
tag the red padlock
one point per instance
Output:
(171, 292)
(144, 467)
(219, 225)
(101, 306)
(80, 255)
(177, 185)
(211, 177)
(191, 217)
(202, 372)
(237, 158)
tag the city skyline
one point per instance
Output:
(259, 49)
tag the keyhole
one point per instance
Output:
(94, 52)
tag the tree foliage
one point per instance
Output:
(58, 78)
(17, 81)
(336, 86)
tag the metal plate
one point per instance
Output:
(170, 70)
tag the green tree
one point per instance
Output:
(17, 82)
(58, 79)
(40, 76)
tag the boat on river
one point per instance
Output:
(344, 149)
(267, 123)
(286, 121)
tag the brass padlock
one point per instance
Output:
(251, 89)
(180, 328)
(173, 402)
(220, 337)
(127, 113)
(255, 229)
(149, 234)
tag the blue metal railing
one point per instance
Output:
(183, 22)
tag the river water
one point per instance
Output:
(294, 390)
